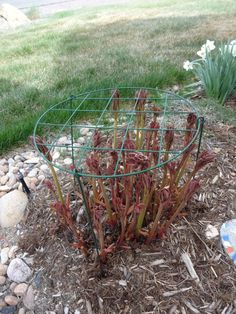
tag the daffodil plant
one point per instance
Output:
(215, 69)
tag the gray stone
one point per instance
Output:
(33, 160)
(18, 271)
(12, 208)
(33, 173)
(21, 311)
(28, 299)
(8, 310)
(67, 161)
(4, 255)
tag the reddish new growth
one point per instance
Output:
(138, 207)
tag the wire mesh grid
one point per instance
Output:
(116, 126)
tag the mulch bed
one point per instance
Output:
(144, 279)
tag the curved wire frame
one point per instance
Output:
(97, 106)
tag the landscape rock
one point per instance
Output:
(12, 208)
(3, 269)
(84, 131)
(33, 160)
(2, 303)
(67, 161)
(4, 168)
(2, 193)
(56, 155)
(8, 310)
(18, 271)
(5, 188)
(81, 140)
(13, 249)
(4, 255)
(28, 299)
(12, 180)
(44, 168)
(12, 286)
(11, 300)
(2, 280)
(33, 173)
(4, 179)
(20, 289)
(3, 161)
(211, 232)
(12, 16)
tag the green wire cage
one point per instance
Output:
(70, 126)
(115, 136)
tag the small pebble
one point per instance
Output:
(66, 310)
(44, 168)
(11, 253)
(2, 280)
(2, 303)
(12, 286)
(4, 188)
(12, 180)
(3, 269)
(4, 168)
(20, 289)
(4, 179)
(56, 155)
(21, 311)
(33, 173)
(84, 131)
(2, 193)
(4, 255)
(33, 160)
(67, 161)
(28, 298)
(8, 310)
(3, 161)
(11, 300)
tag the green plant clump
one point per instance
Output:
(215, 69)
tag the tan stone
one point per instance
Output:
(2, 280)
(11, 300)
(3, 269)
(20, 289)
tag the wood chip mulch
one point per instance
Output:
(145, 279)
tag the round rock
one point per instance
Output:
(18, 270)
(20, 289)
(11, 300)
(3, 269)
(12, 208)
(4, 255)
(2, 280)
(28, 299)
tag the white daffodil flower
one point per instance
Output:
(188, 65)
(232, 47)
(202, 53)
(210, 45)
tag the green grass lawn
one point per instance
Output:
(143, 44)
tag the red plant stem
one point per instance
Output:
(154, 230)
(146, 199)
(107, 202)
